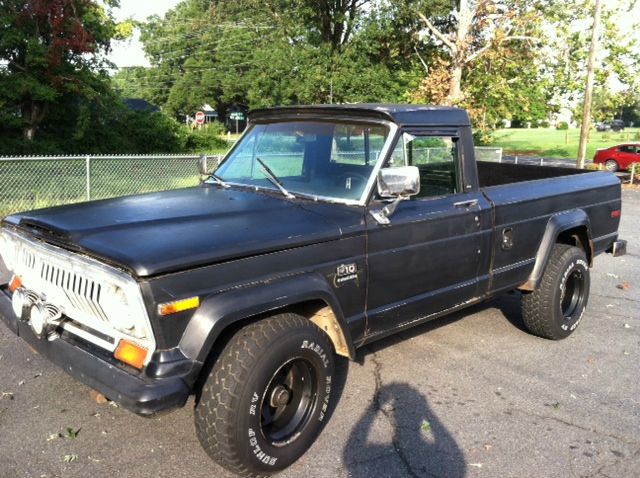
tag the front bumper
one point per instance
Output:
(140, 395)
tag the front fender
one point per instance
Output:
(220, 310)
(558, 223)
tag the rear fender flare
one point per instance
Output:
(558, 223)
(219, 311)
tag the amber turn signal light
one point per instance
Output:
(15, 283)
(131, 353)
(169, 308)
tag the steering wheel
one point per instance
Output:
(347, 180)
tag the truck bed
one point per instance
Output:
(525, 197)
(496, 174)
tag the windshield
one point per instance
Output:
(319, 159)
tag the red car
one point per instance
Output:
(618, 158)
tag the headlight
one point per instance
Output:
(116, 305)
(19, 303)
(38, 319)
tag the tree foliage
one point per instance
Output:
(51, 49)
(261, 53)
(488, 60)
(54, 81)
(567, 49)
(500, 59)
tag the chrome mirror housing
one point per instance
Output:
(399, 182)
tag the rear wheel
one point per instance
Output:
(611, 165)
(265, 401)
(556, 307)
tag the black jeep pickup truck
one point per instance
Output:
(323, 229)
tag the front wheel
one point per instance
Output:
(556, 307)
(267, 396)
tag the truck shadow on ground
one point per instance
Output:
(420, 444)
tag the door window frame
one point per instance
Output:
(453, 133)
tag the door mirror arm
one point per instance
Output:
(382, 215)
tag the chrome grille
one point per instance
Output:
(76, 294)
(82, 293)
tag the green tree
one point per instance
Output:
(487, 59)
(567, 48)
(474, 29)
(279, 52)
(51, 49)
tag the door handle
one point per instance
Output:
(466, 204)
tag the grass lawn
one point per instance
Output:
(551, 143)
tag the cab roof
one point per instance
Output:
(401, 114)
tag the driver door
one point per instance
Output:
(427, 260)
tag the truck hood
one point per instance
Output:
(163, 232)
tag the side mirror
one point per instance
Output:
(399, 183)
(202, 166)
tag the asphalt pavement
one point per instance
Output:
(471, 395)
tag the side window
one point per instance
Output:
(437, 159)
(626, 149)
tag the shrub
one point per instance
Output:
(481, 138)
(562, 125)
(207, 139)
(543, 124)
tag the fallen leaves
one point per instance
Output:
(425, 426)
(623, 286)
(97, 397)
(54, 436)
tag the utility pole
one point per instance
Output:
(331, 89)
(588, 93)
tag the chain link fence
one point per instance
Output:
(31, 182)
(488, 153)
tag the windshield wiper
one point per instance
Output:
(219, 180)
(274, 179)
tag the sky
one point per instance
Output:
(130, 52)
